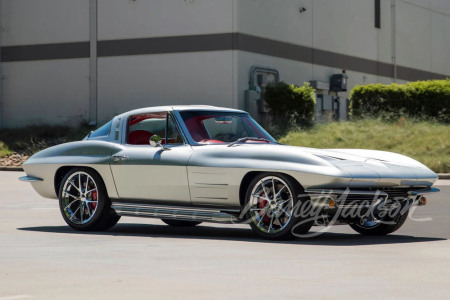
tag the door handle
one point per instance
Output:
(118, 159)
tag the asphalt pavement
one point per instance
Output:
(42, 258)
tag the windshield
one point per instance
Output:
(209, 127)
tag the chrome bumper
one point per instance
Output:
(425, 191)
(333, 199)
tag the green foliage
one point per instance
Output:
(4, 150)
(32, 139)
(291, 105)
(425, 141)
(421, 100)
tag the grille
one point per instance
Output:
(357, 200)
(368, 197)
(397, 194)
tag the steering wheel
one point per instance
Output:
(226, 137)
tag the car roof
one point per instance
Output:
(179, 108)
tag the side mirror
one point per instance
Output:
(155, 141)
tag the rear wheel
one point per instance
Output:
(84, 203)
(380, 227)
(179, 223)
(271, 200)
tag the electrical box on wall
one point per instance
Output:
(327, 102)
(338, 82)
(320, 85)
(327, 108)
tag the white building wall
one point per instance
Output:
(128, 82)
(440, 36)
(30, 22)
(414, 36)
(131, 82)
(45, 92)
(57, 90)
(383, 39)
(345, 26)
(278, 20)
(119, 19)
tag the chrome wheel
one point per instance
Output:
(271, 205)
(376, 226)
(366, 223)
(80, 198)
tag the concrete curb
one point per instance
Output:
(20, 169)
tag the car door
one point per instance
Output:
(144, 172)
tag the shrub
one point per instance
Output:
(290, 105)
(421, 100)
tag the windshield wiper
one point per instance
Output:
(243, 140)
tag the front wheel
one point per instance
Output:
(272, 203)
(84, 203)
(380, 227)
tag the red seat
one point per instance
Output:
(139, 137)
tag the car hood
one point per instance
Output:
(358, 165)
(361, 163)
(343, 157)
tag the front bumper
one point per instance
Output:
(386, 199)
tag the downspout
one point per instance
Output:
(1, 70)
(394, 38)
(93, 93)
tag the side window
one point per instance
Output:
(173, 134)
(116, 135)
(142, 127)
(102, 131)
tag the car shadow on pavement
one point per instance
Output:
(236, 234)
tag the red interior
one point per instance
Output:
(206, 141)
(196, 129)
(199, 133)
(139, 137)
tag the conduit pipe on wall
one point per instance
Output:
(267, 70)
(93, 92)
(1, 70)
(394, 38)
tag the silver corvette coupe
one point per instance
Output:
(191, 164)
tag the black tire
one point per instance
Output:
(180, 223)
(295, 225)
(382, 228)
(101, 217)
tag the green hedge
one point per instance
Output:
(291, 105)
(421, 99)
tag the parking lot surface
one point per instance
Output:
(42, 258)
